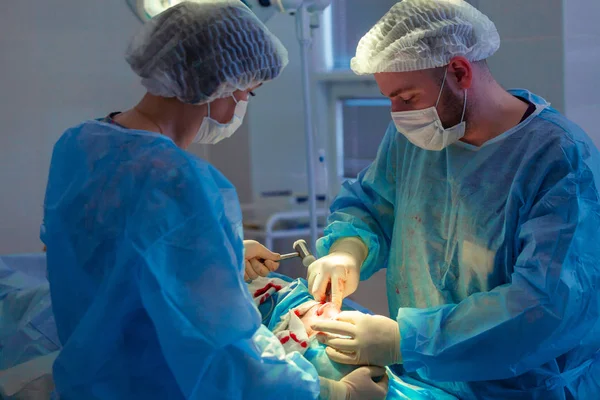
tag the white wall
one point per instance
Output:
(276, 122)
(62, 62)
(551, 47)
(582, 61)
(531, 51)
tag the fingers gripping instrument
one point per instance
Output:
(301, 251)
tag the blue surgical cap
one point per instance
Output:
(204, 50)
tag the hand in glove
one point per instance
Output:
(260, 261)
(365, 339)
(340, 270)
(357, 385)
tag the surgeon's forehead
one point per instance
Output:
(393, 84)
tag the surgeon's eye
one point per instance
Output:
(408, 101)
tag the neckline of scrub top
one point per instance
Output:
(110, 118)
(132, 131)
(530, 109)
(540, 105)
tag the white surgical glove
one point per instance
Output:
(340, 269)
(260, 261)
(360, 339)
(357, 385)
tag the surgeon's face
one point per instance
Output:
(418, 90)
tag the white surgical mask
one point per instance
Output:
(212, 131)
(424, 129)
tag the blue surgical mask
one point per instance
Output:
(212, 131)
(424, 129)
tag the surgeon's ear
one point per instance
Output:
(460, 72)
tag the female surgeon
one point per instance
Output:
(144, 240)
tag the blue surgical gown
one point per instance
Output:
(145, 263)
(492, 256)
(27, 327)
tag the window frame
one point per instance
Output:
(341, 129)
(332, 88)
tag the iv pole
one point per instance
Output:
(304, 37)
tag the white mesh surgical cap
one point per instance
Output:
(422, 34)
(203, 50)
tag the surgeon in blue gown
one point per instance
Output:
(144, 240)
(483, 204)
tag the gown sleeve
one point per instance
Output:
(364, 208)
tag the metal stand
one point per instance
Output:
(304, 37)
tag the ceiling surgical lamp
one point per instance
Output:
(307, 13)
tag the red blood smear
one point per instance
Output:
(264, 290)
(297, 313)
(284, 340)
(320, 310)
(264, 298)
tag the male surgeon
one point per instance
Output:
(483, 205)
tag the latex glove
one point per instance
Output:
(340, 270)
(357, 385)
(259, 261)
(367, 339)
